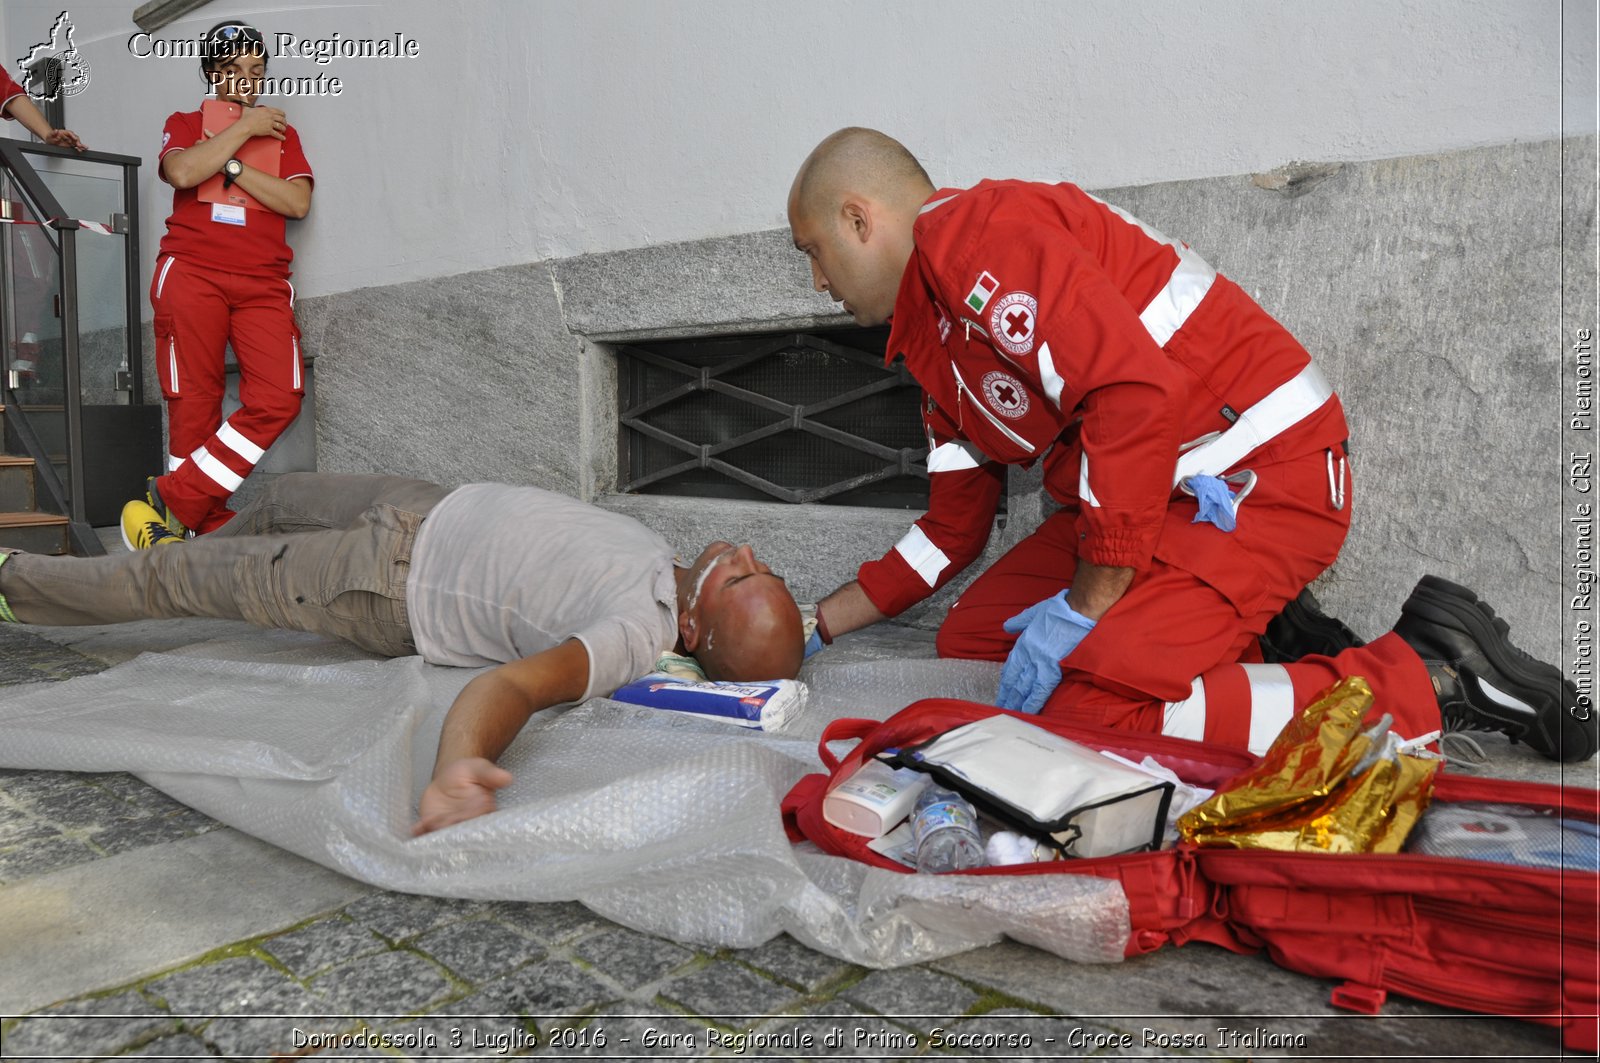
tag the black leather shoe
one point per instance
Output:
(1303, 629)
(1484, 683)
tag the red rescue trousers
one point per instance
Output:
(198, 313)
(1177, 654)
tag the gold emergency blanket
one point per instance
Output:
(1323, 785)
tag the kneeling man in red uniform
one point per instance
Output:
(1199, 457)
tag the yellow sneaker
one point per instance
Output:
(169, 518)
(143, 528)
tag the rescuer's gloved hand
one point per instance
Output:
(1216, 501)
(1048, 631)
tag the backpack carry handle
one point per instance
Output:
(848, 729)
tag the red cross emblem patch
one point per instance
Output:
(1005, 394)
(1012, 322)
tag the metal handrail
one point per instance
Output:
(134, 297)
(63, 231)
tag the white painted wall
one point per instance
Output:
(531, 129)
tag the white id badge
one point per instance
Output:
(227, 214)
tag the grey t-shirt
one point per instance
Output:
(499, 573)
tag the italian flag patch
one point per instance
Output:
(982, 292)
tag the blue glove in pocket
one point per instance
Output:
(1047, 632)
(1216, 501)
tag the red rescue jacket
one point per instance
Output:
(1043, 323)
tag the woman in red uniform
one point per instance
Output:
(222, 277)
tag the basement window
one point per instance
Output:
(785, 416)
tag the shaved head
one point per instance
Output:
(862, 162)
(754, 635)
(737, 617)
(852, 209)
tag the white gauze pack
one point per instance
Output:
(1048, 786)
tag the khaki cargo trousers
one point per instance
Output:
(320, 553)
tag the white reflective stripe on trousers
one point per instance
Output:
(925, 559)
(1187, 718)
(217, 472)
(1271, 703)
(231, 438)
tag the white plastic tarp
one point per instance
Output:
(666, 824)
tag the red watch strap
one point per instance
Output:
(822, 628)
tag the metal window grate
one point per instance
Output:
(791, 416)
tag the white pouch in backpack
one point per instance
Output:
(1055, 789)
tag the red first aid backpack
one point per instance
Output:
(1468, 934)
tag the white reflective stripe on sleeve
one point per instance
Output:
(1053, 384)
(1271, 703)
(291, 294)
(926, 559)
(294, 351)
(1178, 298)
(1085, 492)
(217, 472)
(955, 456)
(1187, 718)
(936, 203)
(161, 281)
(173, 462)
(1288, 404)
(231, 438)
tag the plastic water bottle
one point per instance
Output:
(945, 827)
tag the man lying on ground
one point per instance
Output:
(571, 601)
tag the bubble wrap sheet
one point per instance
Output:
(666, 824)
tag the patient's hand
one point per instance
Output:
(459, 791)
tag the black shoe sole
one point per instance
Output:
(1541, 685)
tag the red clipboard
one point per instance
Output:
(262, 153)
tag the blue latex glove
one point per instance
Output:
(1216, 501)
(813, 645)
(1048, 630)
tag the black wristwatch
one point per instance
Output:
(231, 171)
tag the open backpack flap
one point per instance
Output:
(1493, 938)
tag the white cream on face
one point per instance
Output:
(694, 595)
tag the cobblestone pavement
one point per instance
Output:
(388, 975)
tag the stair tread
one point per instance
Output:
(31, 520)
(9, 460)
